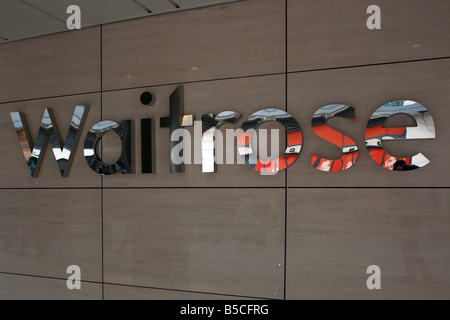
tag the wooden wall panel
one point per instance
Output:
(238, 39)
(335, 234)
(60, 64)
(115, 292)
(227, 241)
(16, 287)
(43, 232)
(330, 33)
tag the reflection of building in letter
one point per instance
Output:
(375, 133)
(347, 145)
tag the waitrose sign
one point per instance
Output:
(208, 135)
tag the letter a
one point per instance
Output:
(374, 21)
(74, 281)
(374, 281)
(74, 21)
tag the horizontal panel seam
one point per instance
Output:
(113, 22)
(50, 97)
(180, 290)
(130, 285)
(277, 73)
(373, 187)
(43, 277)
(224, 79)
(368, 65)
(213, 187)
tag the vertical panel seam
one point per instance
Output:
(286, 174)
(101, 177)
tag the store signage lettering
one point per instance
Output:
(208, 128)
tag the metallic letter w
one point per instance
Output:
(34, 152)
